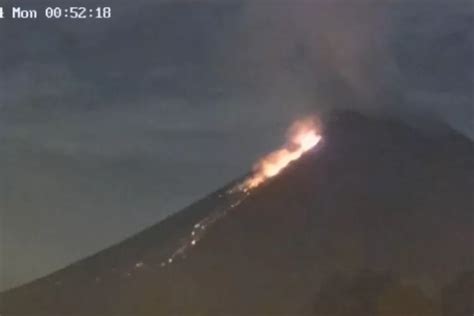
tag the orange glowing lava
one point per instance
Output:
(302, 136)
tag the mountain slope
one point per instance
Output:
(377, 220)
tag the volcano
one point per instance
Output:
(375, 220)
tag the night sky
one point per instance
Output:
(107, 127)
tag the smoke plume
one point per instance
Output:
(411, 59)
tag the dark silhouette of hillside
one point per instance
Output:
(370, 293)
(377, 220)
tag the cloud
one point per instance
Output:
(357, 55)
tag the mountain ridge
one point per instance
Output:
(374, 196)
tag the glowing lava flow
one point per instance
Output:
(302, 137)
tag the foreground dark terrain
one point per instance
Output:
(377, 220)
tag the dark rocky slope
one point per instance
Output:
(378, 220)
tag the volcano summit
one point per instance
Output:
(374, 220)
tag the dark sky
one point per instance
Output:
(106, 127)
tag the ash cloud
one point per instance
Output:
(411, 59)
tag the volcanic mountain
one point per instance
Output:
(375, 220)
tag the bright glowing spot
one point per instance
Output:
(308, 140)
(138, 264)
(302, 137)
